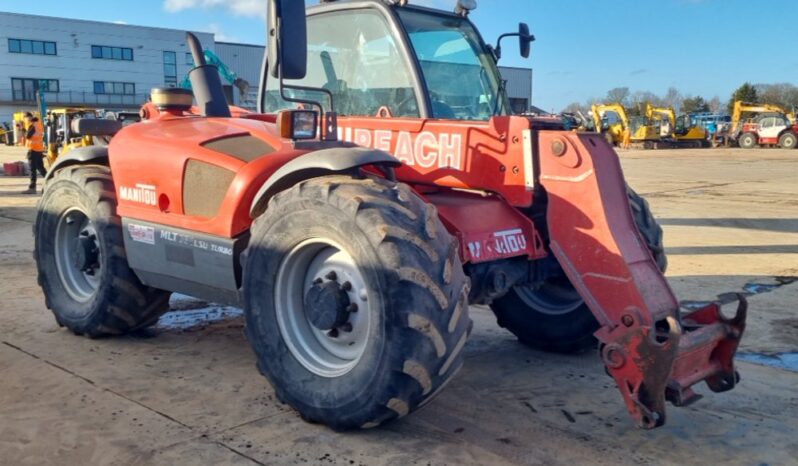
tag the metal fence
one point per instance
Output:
(68, 98)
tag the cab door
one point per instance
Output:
(771, 127)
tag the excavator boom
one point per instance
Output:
(229, 75)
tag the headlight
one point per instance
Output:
(298, 124)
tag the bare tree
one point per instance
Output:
(673, 98)
(618, 95)
(641, 98)
(573, 107)
(715, 105)
(781, 94)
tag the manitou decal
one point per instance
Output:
(499, 245)
(424, 149)
(141, 194)
(510, 241)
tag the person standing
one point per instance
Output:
(627, 138)
(712, 129)
(35, 143)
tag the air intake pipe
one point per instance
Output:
(206, 83)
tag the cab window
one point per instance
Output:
(353, 55)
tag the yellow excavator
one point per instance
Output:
(613, 119)
(682, 131)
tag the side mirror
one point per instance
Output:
(288, 39)
(525, 40)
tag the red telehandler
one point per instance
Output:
(381, 189)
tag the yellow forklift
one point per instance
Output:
(62, 133)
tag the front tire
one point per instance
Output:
(80, 255)
(554, 317)
(332, 243)
(748, 141)
(788, 141)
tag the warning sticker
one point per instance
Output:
(141, 233)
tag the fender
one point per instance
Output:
(80, 156)
(318, 163)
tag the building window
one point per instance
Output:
(190, 59)
(170, 68)
(111, 53)
(25, 89)
(33, 47)
(114, 88)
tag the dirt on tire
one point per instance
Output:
(121, 303)
(417, 293)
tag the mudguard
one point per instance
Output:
(318, 163)
(80, 156)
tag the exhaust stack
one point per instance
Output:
(206, 83)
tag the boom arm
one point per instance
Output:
(741, 107)
(653, 113)
(229, 75)
(600, 110)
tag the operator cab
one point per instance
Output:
(374, 59)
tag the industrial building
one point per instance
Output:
(114, 66)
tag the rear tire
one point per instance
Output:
(788, 141)
(394, 259)
(748, 141)
(554, 317)
(80, 255)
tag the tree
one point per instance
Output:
(673, 98)
(695, 104)
(746, 93)
(715, 105)
(640, 98)
(782, 94)
(618, 95)
(573, 107)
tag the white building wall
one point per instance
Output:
(74, 67)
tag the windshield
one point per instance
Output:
(461, 76)
(353, 55)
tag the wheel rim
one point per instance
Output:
(327, 353)
(77, 255)
(555, 297)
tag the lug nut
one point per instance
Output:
(332, 276)
(347, 286)
(346, 328)
(318, 281)
(352, 308)
(333, 333)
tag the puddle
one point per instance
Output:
(749, 289)
(187, 313)
(788, 361)
(757, 288)
(695, 305)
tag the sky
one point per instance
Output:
(583, 47)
